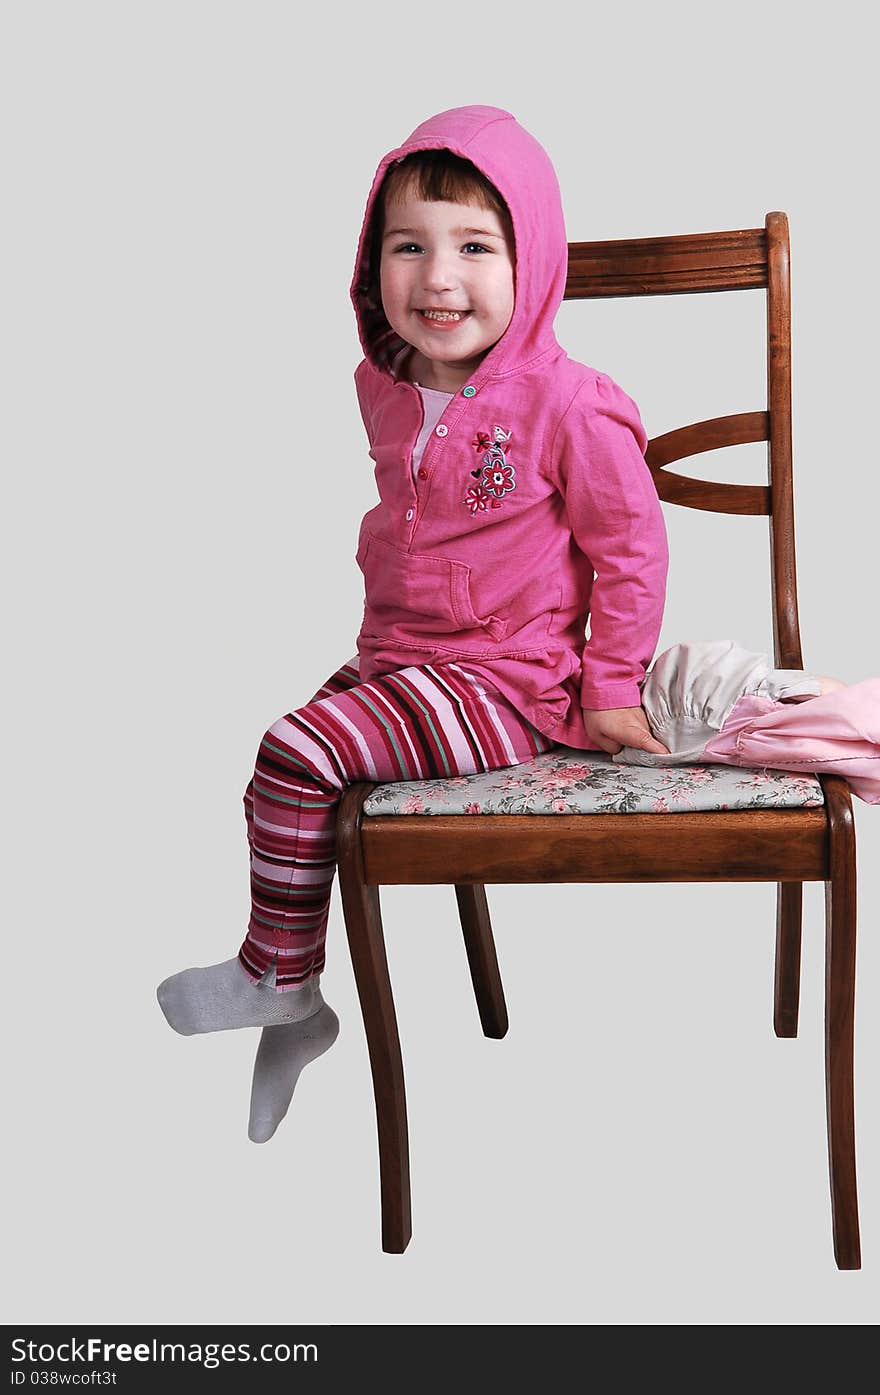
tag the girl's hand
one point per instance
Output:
(616, 727)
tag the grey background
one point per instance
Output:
(185, 471)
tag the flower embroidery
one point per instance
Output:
(496, 476)
(477, 498)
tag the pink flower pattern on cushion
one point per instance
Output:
(569, 781)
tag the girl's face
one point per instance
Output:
(450, 257)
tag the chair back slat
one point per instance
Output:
(736, 430)
(720, 261)
(701, 436)
(711, 496)
(740, 259)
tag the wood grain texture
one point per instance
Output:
(701, 436)
(786, 631)
(747, 845)
(683, 263)
(787, 977)
(840, 993)
(363, 923)
(473, 911)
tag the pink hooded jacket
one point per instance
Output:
(533, 480)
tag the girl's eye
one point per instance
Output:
(414, 247)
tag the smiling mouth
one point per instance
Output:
(444, 316)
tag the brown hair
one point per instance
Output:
(434, 176)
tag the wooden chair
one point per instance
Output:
(785, 845)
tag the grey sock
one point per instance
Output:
(281, 1055)
(221, 996)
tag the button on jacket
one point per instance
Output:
(533, 509)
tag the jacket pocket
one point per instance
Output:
(536, 603)
(416, 594)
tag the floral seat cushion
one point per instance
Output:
(570, 781)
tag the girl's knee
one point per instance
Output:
(282, 732)
(287, 745)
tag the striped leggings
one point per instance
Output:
(411, 724)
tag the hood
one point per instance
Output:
(521, 171)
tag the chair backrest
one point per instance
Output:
(744, 259)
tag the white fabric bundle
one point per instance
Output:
(690, 689)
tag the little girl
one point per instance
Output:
(514, 502)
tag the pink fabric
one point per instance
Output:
(433, 406)
(838, 733)
(498, 569)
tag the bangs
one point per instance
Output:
(438, 176)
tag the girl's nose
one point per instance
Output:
(438, 273)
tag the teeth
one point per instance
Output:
(441, 314)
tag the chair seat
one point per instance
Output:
(571, 781)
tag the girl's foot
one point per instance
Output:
(222, 996)
(281, 1055)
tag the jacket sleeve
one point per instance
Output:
(617, 522)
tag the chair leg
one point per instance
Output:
(473, 910)
(363, 923)
(840, 971)
(787, 981)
